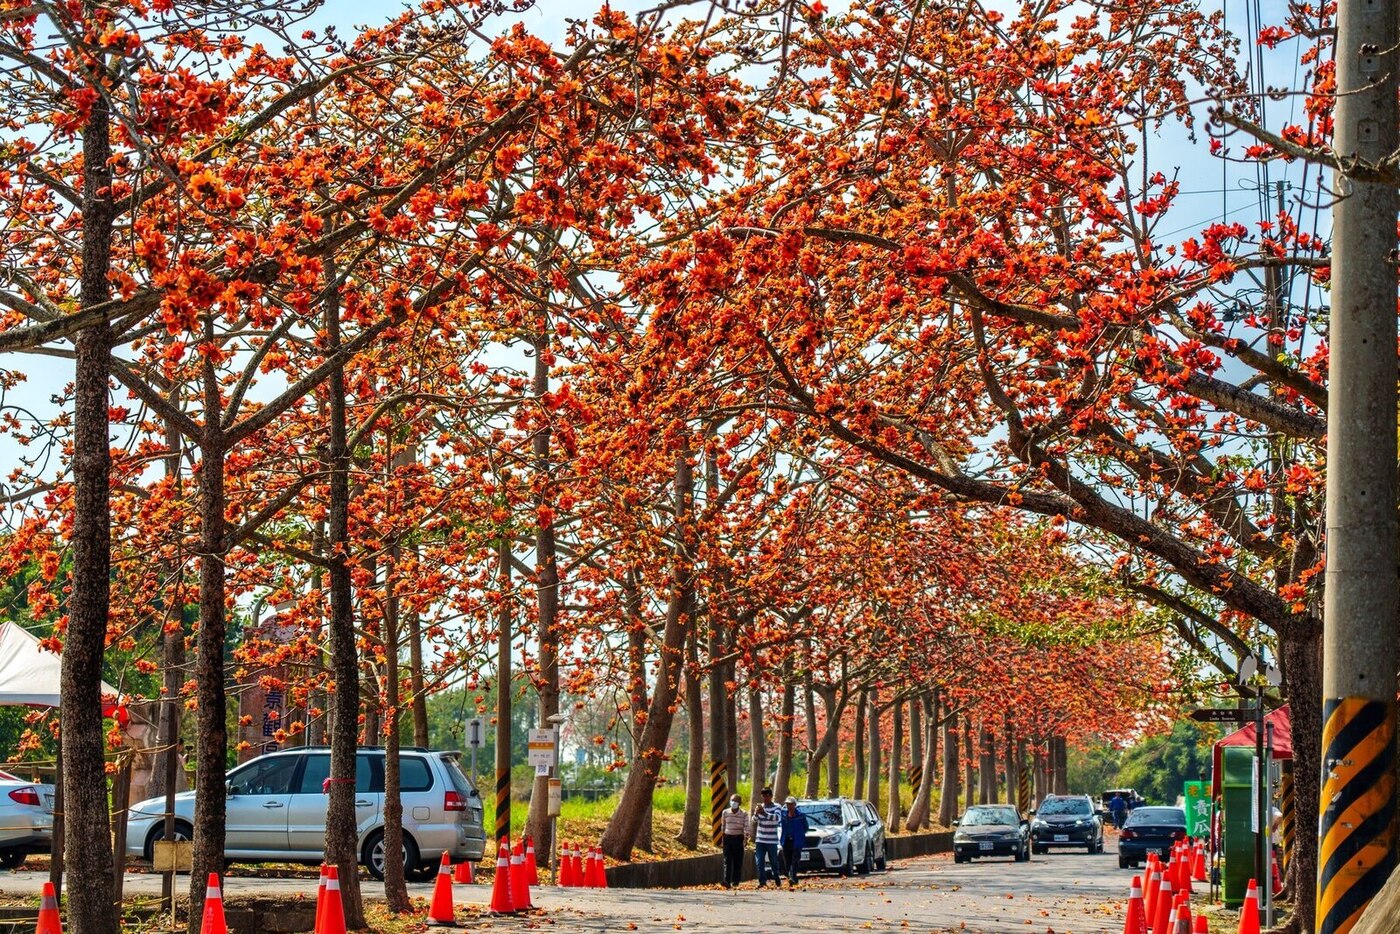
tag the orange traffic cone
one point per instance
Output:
(501, 903)
(1198, 863)
(1249, 911)
(333, 915)
(590, 875)
(1162, 910)
(519, 882)
(532, 870)
(214, 908)
(440, 911)
(320, 900)
(464, 872)
(1135, 922)
(1202, 925)
(1183, 883)
(49, 922)
(1183, 915)
(602, 869)
(563, 879)
(579, 879)
(1149, 897)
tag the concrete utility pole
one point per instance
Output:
(1357, 825)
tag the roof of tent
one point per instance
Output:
(1281, 737)
(29, 674)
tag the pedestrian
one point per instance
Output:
(767, 822)
(793, 832)
(1119, 809)
(735, 824)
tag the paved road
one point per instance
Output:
(1060, 892)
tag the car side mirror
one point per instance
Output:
(955, 823)
(853, 824)
(228, 790)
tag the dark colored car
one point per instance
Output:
(1150, 830)
(1067, 820)
(991, 830)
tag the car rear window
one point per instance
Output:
(455, 775)
(1173, 816)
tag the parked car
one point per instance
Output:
(26, 819)
(875, 828)
(276, 810)
(1150, 830)
(838, 839)
(991, 830)
(1067, 820)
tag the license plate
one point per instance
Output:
(1061, 838)
(984, 846)
(811, 854)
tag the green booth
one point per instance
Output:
(1236, 823)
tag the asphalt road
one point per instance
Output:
(1061, 892)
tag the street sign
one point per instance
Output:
(476, 732)
(541, 748)
(556, 797)
(1223, 714)
(1197, 795)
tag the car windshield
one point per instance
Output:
(987, 817)
(1174, 817)
(1065, 806)
(822, 815)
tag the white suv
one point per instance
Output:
(838, 837)
(276, 810)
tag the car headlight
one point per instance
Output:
(1038, 825)
(836, 839)
(961, 837)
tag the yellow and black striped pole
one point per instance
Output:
(503, 806)
(719, 798)
(916, 778)
(1357, 831)
(1023, 790)
(1285, 807)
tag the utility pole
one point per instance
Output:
(504, 634)
(1362, 603)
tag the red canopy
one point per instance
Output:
(1280, 736)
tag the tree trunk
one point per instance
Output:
(969, 762)
(858, 765)
(813, 756)
(86, 836)
(783, 779)
(916, 743)
(948, 795)
(1061, 766)
(872, 749)
(395, 891)
(689, 835)
(921, 807)
(341, 837)
(637, 684)
(621, 835)
(758, 742)
(988, 767)
(893, 816)
(1010, 766)
(546, 580)
(720, 778)
(731, 732)
(505, 633)
(1301, 658)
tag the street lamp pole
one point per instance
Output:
(557, 721)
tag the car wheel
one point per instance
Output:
(183, 831)
(373, 856)
(10, 859)
(1038, 850)
(1024, 856)
(849, 865)
(1124, 862)
(867, 865)
(883, 863)
(959, 858)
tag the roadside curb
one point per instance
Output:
(704, 870)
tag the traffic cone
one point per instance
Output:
(49, 922)
(590, 871)
(1135, 922)
(602, 869)
(1198, 863)
(1183, 914)
(1162, 911)
(1183, 883)
(576, 865)
(1249, 911)
(501, 903)
(333, 915)
(464, 872)
(1202, 925)
(1149, 897)
(566, 879)
(214, 908)
(320, 900)
(1277, 879)
(440, 911)
(532, 871)
(519, 882)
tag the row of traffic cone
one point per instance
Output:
(583, 870)
(1155, 910)
(214, 922)
(510, 890)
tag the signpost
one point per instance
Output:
(476, 738)
(541, 754)
(1198, 809)
(1223, 714)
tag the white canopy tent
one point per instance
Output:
(29, 674)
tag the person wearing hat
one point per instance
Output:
(793, 829)
(735, 825)
(766, 818)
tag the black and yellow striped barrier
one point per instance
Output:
(503, 805)
(1023, 789)
(1287, 825)
(719, 797)
(1357, 824)
(916, 778)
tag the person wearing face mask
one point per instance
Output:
(735, 825)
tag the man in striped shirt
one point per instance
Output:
(766, 819)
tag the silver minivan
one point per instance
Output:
(276, 810)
